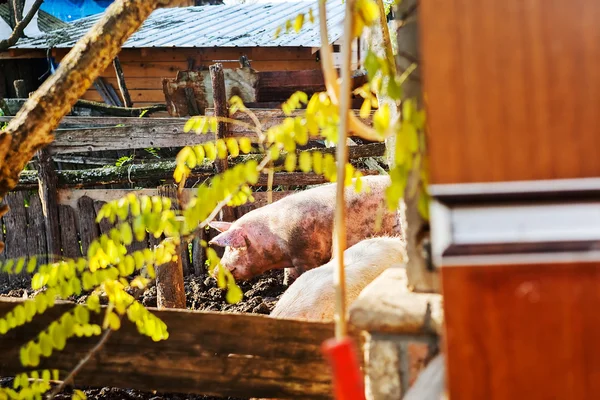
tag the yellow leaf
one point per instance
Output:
(317, 162)
(234, 294)
(45, 344)
(311, 17)
(189, 125)
(298, 22)
(199, 152)
(245, 145)
(277, 32)
(290, 162)
(221, 149)
(232, 147)
(211, 151)
(274, 152)
(365, 109)
(156, 204)
(305, 161)
(114, 322)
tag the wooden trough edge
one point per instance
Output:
(213, 353)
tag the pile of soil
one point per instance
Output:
(260, 296)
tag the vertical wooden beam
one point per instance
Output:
(121, 82)
(20, 89)
(221, 110)
(47, 184)
(36, 230)
(421, 274)
(88, 228)
(170, 291)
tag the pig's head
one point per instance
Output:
(247, 253)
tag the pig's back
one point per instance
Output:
(311, 296)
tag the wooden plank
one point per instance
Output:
(47, 186)
(152, 95)
(88, 228)
(170, 292)
(205, 55)
(104, 225)
(128, 137)
(207, 352)
(15, 222)
(199, 255)
(121, 84)
(74, 197)
(516, 315)
(217, 78)
(141, 172)
(36, 229)
(68, 232)
(268, 117)
(490, 126)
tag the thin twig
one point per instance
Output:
(339, 277)
(81, 364)
(331, 78)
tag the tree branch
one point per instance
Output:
(20, 27)
(32, 127)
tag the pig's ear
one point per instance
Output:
(233, 238)
(220, 226)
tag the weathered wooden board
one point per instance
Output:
(88, 228)
(15, 222)
(207, 352)
(159, 171)
(205, 54)
(104, 134)
(240, 82)
(68, 232)
(154, 95)
(126, 137)
(36, 229)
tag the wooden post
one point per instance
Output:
(221, 110)
(121, 82)
(170, 292)
(421, 276)
(21, 89)
(47, 184)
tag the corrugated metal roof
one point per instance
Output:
(240, 25)
(46, 22)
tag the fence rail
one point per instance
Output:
(213, 353)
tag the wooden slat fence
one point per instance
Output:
(213, 353)
(24, 231)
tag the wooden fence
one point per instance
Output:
(77, 195)
(223, 354)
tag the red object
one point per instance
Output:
(347, 379)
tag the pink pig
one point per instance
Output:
(295, 232)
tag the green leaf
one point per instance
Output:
(372, 64)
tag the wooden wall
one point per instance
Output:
(144, 69)
(512, 89)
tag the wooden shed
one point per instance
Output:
(192, 38)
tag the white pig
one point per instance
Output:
(311, 296)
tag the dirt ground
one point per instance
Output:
(260, 296)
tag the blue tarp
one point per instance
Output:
(70, 10)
